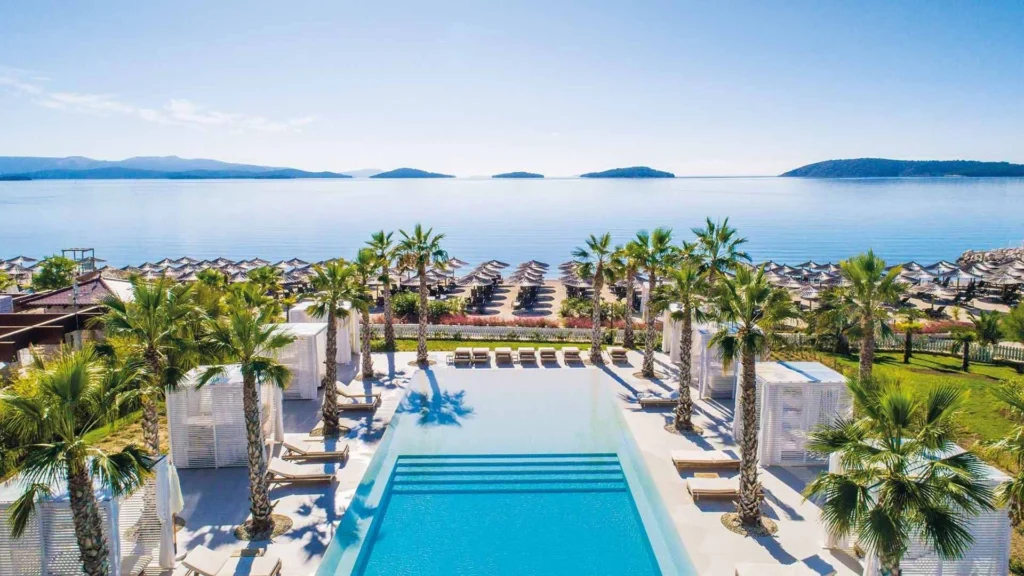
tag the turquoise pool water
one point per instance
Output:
(503, 472)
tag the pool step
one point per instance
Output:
(507, 473)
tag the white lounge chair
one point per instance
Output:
(713, 487)
(481, 355)
(704, 459)
(571, 354)
(503, 355)
(282, 472)
(201, 561)
(357, 401)
(547, 354)
(527, 354)
(463, 356)
(617, 354)
(302, 450)
(754, 569)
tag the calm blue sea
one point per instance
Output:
(786, 219)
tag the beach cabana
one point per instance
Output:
(207, 423)
(670, 332)
(792, 399)
(715, 378)
(348, 328)
(138, 528)
(305, 358)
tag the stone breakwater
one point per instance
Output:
(997, 255)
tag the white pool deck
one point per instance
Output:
(216, 500)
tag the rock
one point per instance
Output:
(999, 255)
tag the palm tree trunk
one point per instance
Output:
(389, 317)
(595, 318)
(365, 346)
(749, 505)
(259, 490)
(150, 417)
(891, 565)
(966, 364)
(908, 346)
(648, 366)
(867, 349)
(684, 410)
(85, 514)
(330, 408)
(421, 344)
(627, 336)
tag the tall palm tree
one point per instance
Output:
(720, 249)
(871, 287)
(1011, 492)
(365, 267)
(418, 251)
(155, 322)
(625, 262)
(688, 287)
(909, 326)
(654, 250)
(247, 336)
(334, 283)
(750, 310)
(962, 340)
(903, 477)
(592, 261)
(54, 418)
(384, 250)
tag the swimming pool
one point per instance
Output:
(526, 472)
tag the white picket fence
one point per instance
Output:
(978, 353)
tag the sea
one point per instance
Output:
(784, 219)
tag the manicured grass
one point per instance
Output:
(127, 430)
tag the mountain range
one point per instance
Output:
(142, 167)
(886, 168)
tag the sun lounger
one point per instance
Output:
(704, 459)
(201, 561)
(281, 472)
(617, 354)
(713, 487)
(547, 354)
(302, 450)
(527, 354)
(481, 355)
(653, 400)
(799, 569)
(503, 355)
(135, 564)
(463, 356)
(357, 401)
(571, 354)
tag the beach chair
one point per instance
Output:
(481, 355)
(713, 487)
(463, 356)
(357, 401)
(547, 354)
(503, 355)
(653, 400)
(683, 459)
(571, 354)
(302, 450)
(798, 569)
(527, 354)
(135, 564)
(282, 472)
(201, 561)
(617, 354)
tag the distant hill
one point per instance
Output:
(631, 172)
(518, 175)
(410, 173)
(884, 168)
(155, 167)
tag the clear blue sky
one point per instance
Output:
(477, 87)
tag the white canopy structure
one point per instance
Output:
(348, 329)
(715, 379)
(207, 423)
(989, 555)
(792, 399)
(670, 332)
(138, 528)
(305, 358)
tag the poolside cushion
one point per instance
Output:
(201, 560)
(713, 487)
(754, 569)
(252, 566)
(694, 458)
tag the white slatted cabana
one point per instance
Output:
(348, 328)
(793, 398)
(207, 423)
(715, 378)
(670, 330)
(141, 521)
(305, 358)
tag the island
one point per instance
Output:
(518, 175)
(885, 168)
(631, 172)
(135, 174)
(143, 168)
(410, 173)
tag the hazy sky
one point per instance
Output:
(480, 86)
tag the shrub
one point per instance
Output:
(405, 305)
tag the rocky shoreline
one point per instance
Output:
(998, 255)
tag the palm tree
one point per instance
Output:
(365, 267)
(832, 322)
(1011, 492)
(625, 262)
(909, 327)
(246, 336)
(418, 251)
(687, 287)
(750, 310)
(903, 477)
(1013, 324)
(988, 325)
(654, 251)
(54, 418)
(384, 251)
(154, 322)
(871, 287)
(334, 283)
(719, 249)
(592, 263)
(266, 277)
